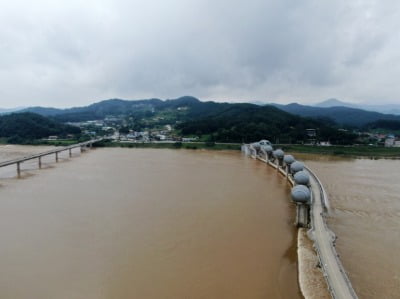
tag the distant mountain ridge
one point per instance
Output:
(330, 111)
(10, 110)
(386, 109)
(105, 108)
(26, 126)
(334, 103)
(341, 115)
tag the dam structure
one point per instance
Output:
(312, 207)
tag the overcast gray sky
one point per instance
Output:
(72, 53)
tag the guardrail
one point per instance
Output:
(347, 290)
(336, 278)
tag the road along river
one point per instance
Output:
(145, 223)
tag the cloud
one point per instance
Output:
(69, 53)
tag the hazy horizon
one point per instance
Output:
(257, 102)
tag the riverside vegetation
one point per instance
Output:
(211, 123)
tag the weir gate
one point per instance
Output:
(312, 206)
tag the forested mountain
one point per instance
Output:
(23, 127)
(247, 122)
(193, 108)
(227, 121)
(108, 107)
(341, 115)
(393, 125)
(384, 108)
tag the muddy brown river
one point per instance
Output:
(144, 223)
(365, 214)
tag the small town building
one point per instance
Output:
(390, 141)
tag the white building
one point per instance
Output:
(389, 142)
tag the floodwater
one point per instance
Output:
(146, 223)
(365, 215)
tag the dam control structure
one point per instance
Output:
(312, 207)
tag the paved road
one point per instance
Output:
(339, 284)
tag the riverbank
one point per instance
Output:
(372, 152)
(172, 145)
(362, 151)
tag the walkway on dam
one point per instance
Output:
(338, 282)
(324, 239)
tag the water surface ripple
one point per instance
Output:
(144, 223)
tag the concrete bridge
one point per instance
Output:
(310, 214)
(83, 146)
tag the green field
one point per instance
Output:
(348, 151)
(176, 145)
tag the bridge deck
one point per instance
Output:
(54, 151)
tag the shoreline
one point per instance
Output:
(363, 152)
(357, 152)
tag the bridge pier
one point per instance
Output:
(17, 162)
(302, 216)
(19, 169)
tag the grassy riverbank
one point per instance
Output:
(346, 151)
(349, 151)
(175, 145)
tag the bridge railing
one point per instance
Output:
(55, 151)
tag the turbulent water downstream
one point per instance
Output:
(365, 215)
(142, 223)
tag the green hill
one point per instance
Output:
(225, 122)
(114, 107)
(248, 122)
(343, 116)
(27, 126)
